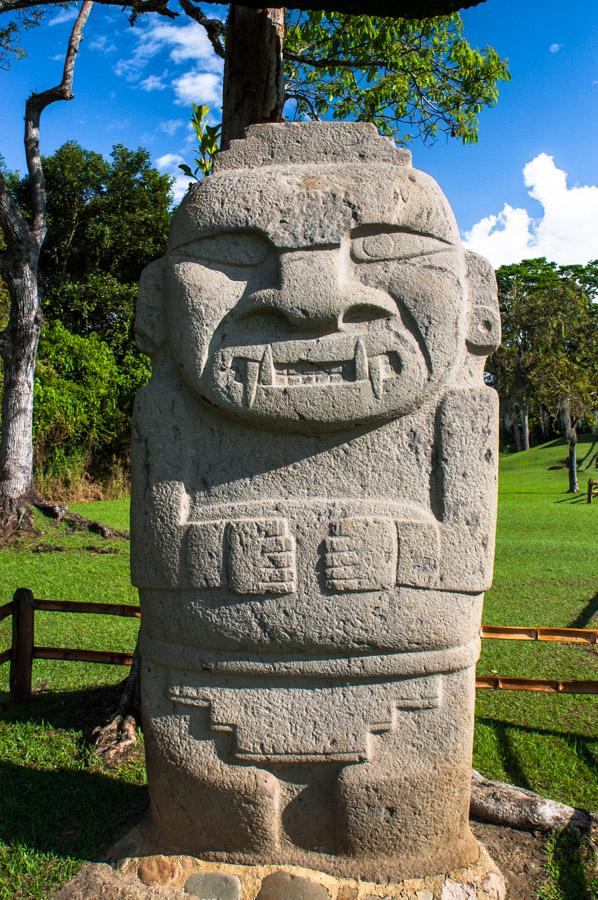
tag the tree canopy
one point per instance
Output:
(107, 218)
(548, 358)
(411, 78)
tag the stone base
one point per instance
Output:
(153, 877)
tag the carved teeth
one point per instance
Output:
(361, 362)
(267, 374)
(377, 375)
(253, 368)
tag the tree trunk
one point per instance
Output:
(572, 437)
(18, 347)
(565, 416)
(516, 433)
(514, 807)
(253, 70)
(525, 427)
(19, 260)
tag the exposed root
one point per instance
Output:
(114, 741)
(116, 738)
(506, 804)
(77, 522)
(15, 519)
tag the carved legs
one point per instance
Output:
(412, 799)
(406, 805)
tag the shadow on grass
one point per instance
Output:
(80, 710)
(569, 864)
(580, 744)
(508, 755)
(70, 810)
(588, 456)
(586, 615)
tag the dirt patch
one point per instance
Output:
(518, 854)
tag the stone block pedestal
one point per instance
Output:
(161, 876)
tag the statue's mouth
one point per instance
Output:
(327, 380)
(274, 374)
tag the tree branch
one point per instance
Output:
(398, 9)
(33, 109)
(12, 221)
(337, 63)
(215, 29)
(136, 6)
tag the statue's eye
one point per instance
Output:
(229, 249)
(394, 245)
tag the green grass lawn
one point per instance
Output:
(59, 806)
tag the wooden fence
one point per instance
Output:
(592, 489)
(23, 649)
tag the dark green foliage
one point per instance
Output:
(83, 399)
(104, 216)
(107, 219)
(550, 338)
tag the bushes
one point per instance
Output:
(83, 402)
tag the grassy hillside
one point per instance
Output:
(58, 806)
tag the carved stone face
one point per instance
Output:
(311, 298)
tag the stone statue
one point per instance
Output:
(313, 509)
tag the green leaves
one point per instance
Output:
(550, 335)
(208, 139)
(411, 78)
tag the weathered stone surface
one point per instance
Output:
(100, 880)
(282, 883)
(282, 886)
(156, 870)
(314, 488)
(213, 886)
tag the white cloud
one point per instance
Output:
(554, 48)
(198, 87)
(567, 231)
(65, 15)
(184, 42)
(170, 163)
(102, 44)
(171, 126)
(154, 83)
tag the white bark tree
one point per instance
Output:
(19, 269)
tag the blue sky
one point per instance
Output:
(135, 86)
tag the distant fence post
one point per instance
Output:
(22, 645)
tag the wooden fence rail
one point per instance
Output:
(23, 650)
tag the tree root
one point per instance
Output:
(114, 741)
(506, 804)
(15, 519)
(77, 522)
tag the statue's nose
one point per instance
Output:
(316, 293)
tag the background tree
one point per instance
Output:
(383, 65)
(19, 262)
(411, 78)
(548, 360)
(107, 219)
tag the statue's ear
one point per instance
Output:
(483, 334)
(150, 331)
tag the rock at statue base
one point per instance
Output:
(313, 510)
(170, 877)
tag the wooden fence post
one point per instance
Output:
(22, 645)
